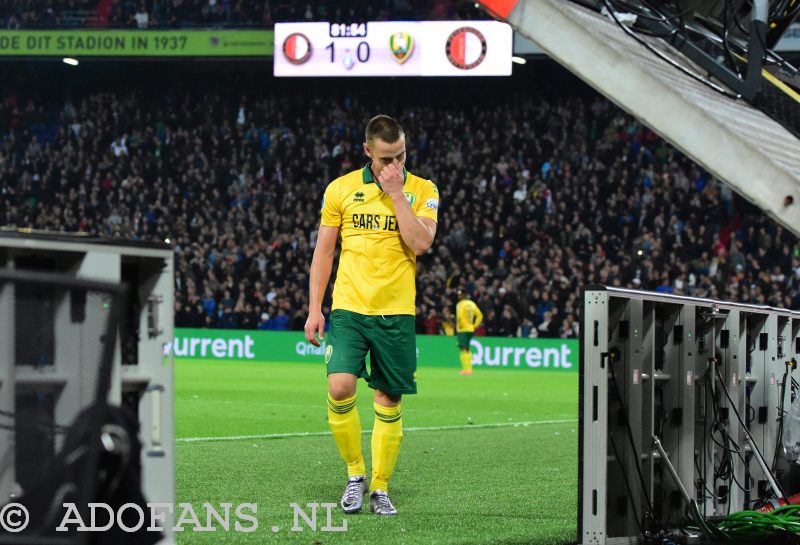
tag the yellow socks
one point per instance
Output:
(466, 361)
(387, 435)
(346, 427)
(386, 438)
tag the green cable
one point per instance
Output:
(744, 526)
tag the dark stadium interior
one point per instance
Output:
(545, 187)
(608, 374)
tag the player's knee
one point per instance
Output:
(341, 391)
(387, 400)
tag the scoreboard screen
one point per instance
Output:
(393, 48)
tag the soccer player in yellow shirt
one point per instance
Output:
(468, 318)
(387, 217)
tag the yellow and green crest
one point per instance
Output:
(402, 46)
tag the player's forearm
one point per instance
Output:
(320, 274)
(414, 233)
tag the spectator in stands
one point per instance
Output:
(181, 316)
(569, 328)
(548, 327)
(141, 18)
(508, 322)
(228, 319)
(432, 321)
(281, 321)
(239, 200)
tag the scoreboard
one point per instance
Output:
(393, 48)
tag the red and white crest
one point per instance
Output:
(297, 48)
(466, 48)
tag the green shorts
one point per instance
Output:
(463, 340)
(390, 341)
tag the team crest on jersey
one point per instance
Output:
(402, 46)
(411, 198)
(328, 353)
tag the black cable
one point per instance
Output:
(627, 484)
(777, 59)
(767, 52)
(750, 408)
(660, 19)
(710, 492)
(630, 436)
(725, 43)
(725, 437)
(724, 471)
(781, 414)
(635, 10)
(747, 430)
(741, 487)
(679, 15)
(730, 472)
(662, 16)
(666, 58)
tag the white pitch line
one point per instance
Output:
(322, 433)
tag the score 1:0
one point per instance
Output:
(362, 51)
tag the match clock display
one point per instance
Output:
(393, 48)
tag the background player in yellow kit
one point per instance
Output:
(468, 317)
(387, 217)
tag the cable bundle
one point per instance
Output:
(750, 526)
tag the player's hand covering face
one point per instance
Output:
(384, 154)
(391, 178)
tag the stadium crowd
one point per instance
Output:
(145, 14)
(539, 197)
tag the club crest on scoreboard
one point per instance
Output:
(466, 48)
(401, 45)
(297, 48)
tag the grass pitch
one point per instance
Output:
(490, 458)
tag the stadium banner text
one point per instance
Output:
(432, 350)
(136, 43)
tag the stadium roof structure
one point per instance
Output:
(757, 156)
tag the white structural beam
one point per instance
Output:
(737, 143)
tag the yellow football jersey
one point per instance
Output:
(447, 328)
(376, 269)
(468, 316)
